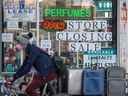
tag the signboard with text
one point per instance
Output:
(83, 46)
(86, 25)
(68, 13)
(103, 5)
(84, 36)
(53, 25)
(12, 24)
(106, 57)
(7, 37)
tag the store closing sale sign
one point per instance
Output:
(84, 41)
(84, 25)
(83, 46)
(84, 36)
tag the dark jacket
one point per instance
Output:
(37, 58)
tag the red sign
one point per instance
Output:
(53, 25)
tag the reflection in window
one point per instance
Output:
(49, 3)
(79, 3)
(104, 13)
(76, 2)
(60, 3)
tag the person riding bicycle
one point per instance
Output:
(38, 62)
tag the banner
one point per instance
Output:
(84, 36)
(20, 10)
(86, 25)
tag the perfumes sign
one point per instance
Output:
(69, 13)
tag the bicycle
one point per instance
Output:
(8, 89)
(49, 89)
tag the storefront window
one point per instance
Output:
(101, 22)
(19, 18)
(79, 30)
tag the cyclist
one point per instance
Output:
(38, 62)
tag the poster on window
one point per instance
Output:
(106, 57)
(7, 37)
(45, 44)
(21, 10)
(12, 24)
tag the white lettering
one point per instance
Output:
(83, 25)
(82, 46)
(84, 36)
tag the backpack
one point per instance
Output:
(61, 68)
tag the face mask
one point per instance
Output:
(19, 47)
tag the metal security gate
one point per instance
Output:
(116, 81)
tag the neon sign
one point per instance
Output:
(53, 25)
(69, 13)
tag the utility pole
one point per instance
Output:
(118, 33)
(114, 22)
(1, 30)
(37, 22)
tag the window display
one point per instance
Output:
(72, 28)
